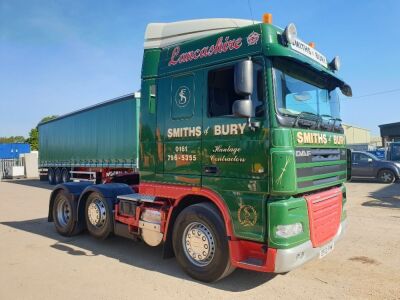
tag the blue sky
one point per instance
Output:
(59, 56)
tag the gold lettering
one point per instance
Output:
(300, 137)
(217, 130)
(234, 129)
(242, 127)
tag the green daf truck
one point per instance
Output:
(232, 155)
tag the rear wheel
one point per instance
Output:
(51, 176)
(64, 217)
(386, 176)
(98, 216)
(200, 243)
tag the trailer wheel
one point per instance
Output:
(57, 176)
(98, 216)
(65, 175)
(50, 176)
(200, 243)
(64, 215)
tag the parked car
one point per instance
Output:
(364, 164)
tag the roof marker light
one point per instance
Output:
(311, 44)
(267, 18)
(335, 63)
(290, 33)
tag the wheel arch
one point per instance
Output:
(186, 201)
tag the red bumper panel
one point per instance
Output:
(252, 256)
(324, 211)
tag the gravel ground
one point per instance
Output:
(37, 263)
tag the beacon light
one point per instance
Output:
(267, 18)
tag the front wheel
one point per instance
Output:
(200, 243)
(386, 176)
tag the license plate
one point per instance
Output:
(326, 249)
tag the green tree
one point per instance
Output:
(33, 139)
(12, 139)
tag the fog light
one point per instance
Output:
(287, 231)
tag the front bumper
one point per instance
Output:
(289, 259)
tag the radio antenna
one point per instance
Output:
(251, 10)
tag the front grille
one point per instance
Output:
(324, 211)
(308, 155)
(325, 165)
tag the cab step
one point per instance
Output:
(136, 197)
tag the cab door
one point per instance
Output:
(362, 165)
(232, 149)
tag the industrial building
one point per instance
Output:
(390, 132)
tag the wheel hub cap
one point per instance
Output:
(198, 244)
(63, 212)
(97, 213)
(386, 176)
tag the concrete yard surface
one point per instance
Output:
(37, 263)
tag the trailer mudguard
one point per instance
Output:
(73, 190)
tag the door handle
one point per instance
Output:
(211, 169)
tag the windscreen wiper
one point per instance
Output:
(309, 122)
(334, 122)
(321, 123)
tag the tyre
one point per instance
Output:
(57, 176)
(98, 215)
(386, 176)
(65, 175)
(64, 215)
(51, 176)
(200, 243)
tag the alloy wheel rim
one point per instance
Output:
(198, 244)
(387, 177)
(97, 213)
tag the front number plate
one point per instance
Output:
(326, 249)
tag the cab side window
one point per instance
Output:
(221, 92)
(222, 95)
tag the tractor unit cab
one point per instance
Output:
(242, 156)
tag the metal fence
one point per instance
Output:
(6, 163)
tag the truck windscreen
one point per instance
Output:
(303, 93)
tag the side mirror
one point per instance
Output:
(244, 78)
(242, 108)
(370, 160)
(346, 90)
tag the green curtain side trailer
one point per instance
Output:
(233, 156)
(101, 137)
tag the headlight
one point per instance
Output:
(397, 164)
(287, 231)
